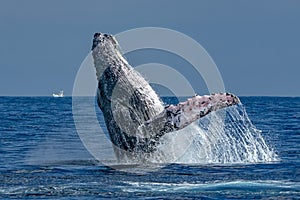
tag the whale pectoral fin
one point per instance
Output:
(194, 108)
(176, 117)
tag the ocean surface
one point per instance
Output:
(42, 156)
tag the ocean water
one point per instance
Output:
(42, 156)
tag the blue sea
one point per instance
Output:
(42, 156)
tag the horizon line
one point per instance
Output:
(159, 96)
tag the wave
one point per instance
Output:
(212, 186)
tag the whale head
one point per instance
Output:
(105, 51)
(103, 40)
(105, 48)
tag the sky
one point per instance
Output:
(255, 44)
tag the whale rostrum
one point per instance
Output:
(134, 115)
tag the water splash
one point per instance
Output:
(223, 137)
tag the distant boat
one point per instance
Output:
(60, 94)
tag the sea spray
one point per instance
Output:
(223, 137)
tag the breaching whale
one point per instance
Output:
(134, 115)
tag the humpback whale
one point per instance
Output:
(134, 115)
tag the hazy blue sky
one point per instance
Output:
(255, 44)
